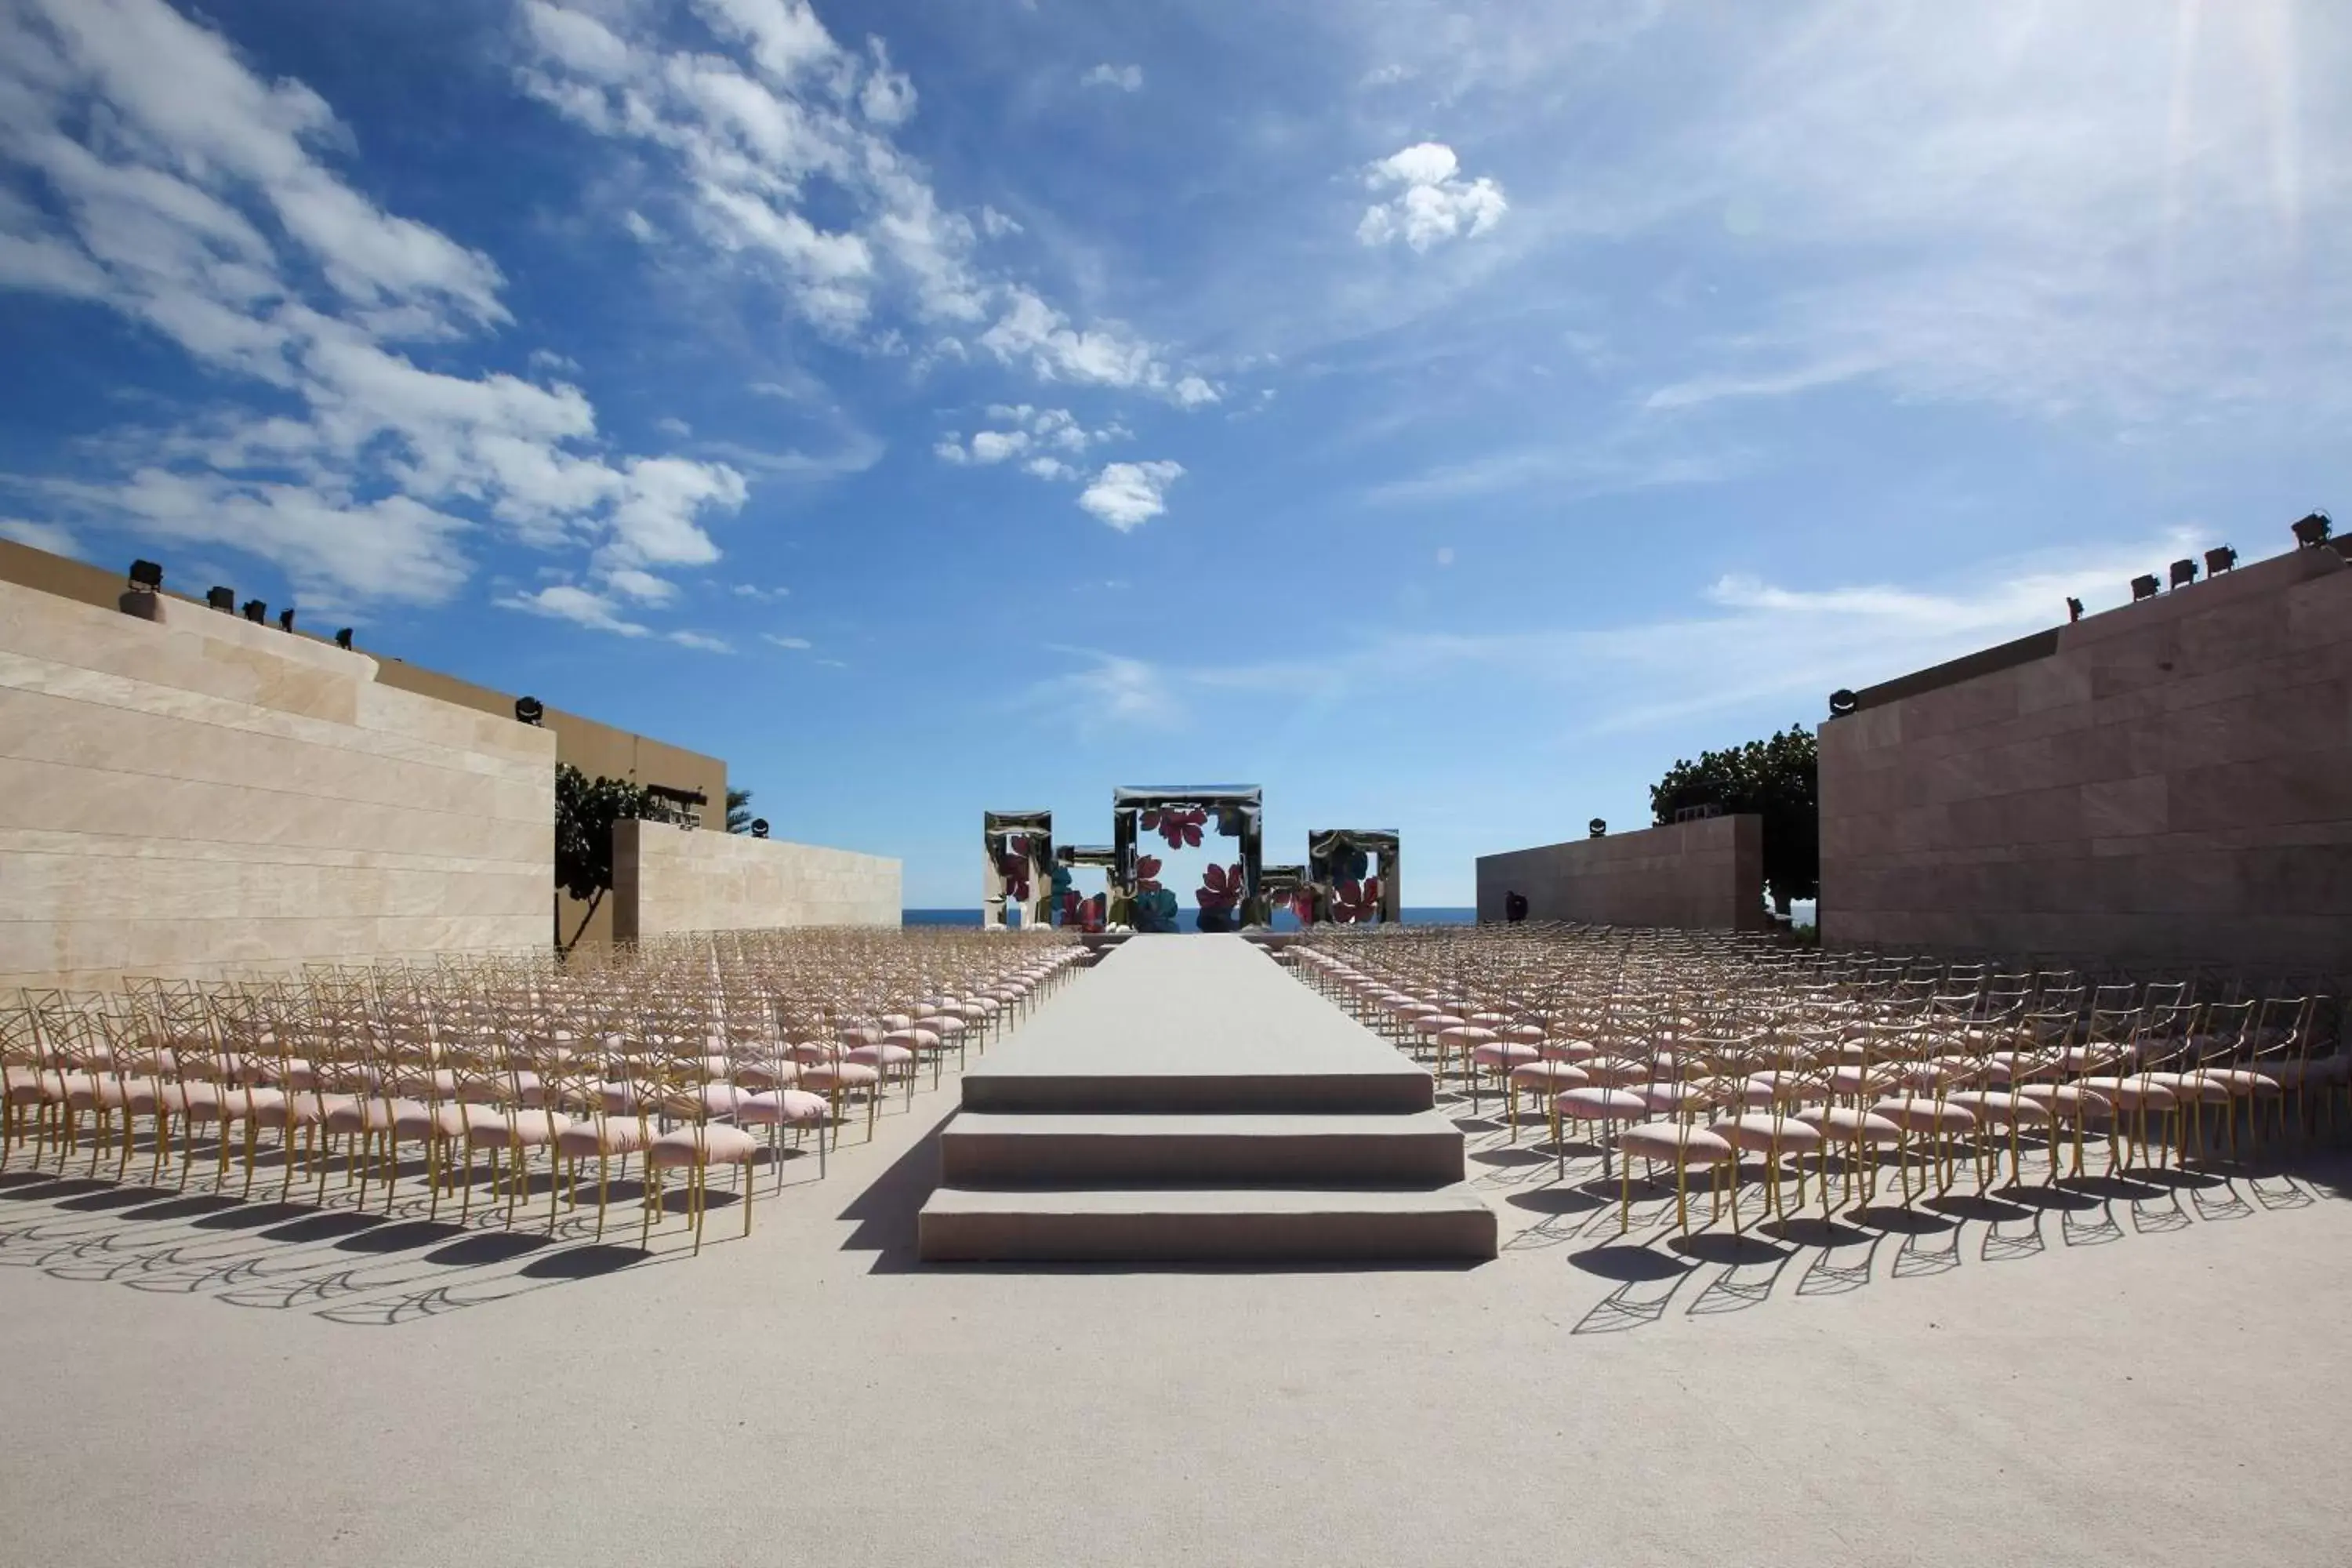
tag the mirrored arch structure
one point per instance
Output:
(1185, 814)
(1019, 849)
(1354, 872)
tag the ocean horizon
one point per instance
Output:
(1189, 919)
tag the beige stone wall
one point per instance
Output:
(203, 795)
(1695, 873)
(668, 880)
(2174, 782)
(595, 749)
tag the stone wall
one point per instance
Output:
(201, 796)
(1709, 873)
(668, 880)
(593, 747)
(2172, 782)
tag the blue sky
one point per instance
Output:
(1443, 415)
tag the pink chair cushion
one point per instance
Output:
(711, 1143)
(1672, 1143)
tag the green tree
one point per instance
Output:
(1778, 780)
(585, 810)
(739, 811)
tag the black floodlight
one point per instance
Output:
(286, 620)
(1841, 702)
(1597, 829)
(2314, 531)
(2184, 571)
(2146, 585)
(759, 827)
(529, 711)
(256, 611)
(147, 575)
(222, 599)
(344, 637)
(2073, 609)
(2219, 559)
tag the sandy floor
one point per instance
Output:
(2137, 1375)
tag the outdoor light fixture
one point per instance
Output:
(759, 827)
(1597, 829)
(2184, 571)
(256, 611)
(146, 574)
(2145, 586)
(344, 637)
(2219, 559)
(223, 599)
(529, 711)
(2073, 609)
(2314, 531)
(1841, 702)
(286, 620)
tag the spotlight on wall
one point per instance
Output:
(256, 611)
(146, 574)
(344, 637)
(1843, 702)
(224, 599)
(2314, 531)
(2145, 586)
(2219, 559)
(2073, 609)
(1596, 828)
(759, 827)
(286, 620)
(2184, 571)
(529, 711)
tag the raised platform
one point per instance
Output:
(1187, 1099)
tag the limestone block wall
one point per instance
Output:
(1709, 873)
(2171, 782)
(592, 747)
(202, 796)
(668, 880)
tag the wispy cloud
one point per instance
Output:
(1126, 78)
(204, 203)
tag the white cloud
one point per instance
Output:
(753, 590)
(1433, 201)
(193, 196)
(1112, 689)
(1043, 434)
(1126, 78)
(1128, 495)
(784, 124)
(581, 607)
(643, 586)
(888, 96)
(45, 536)
(702, 640)
(796, 644)
(670, 424)
(995, 445)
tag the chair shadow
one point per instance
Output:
(339, 1264)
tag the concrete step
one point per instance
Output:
(1193, 1223)
(1399, 1149)
(1211, 1084)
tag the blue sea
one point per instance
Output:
(1434, 915)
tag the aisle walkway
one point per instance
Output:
(1188, 1100)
